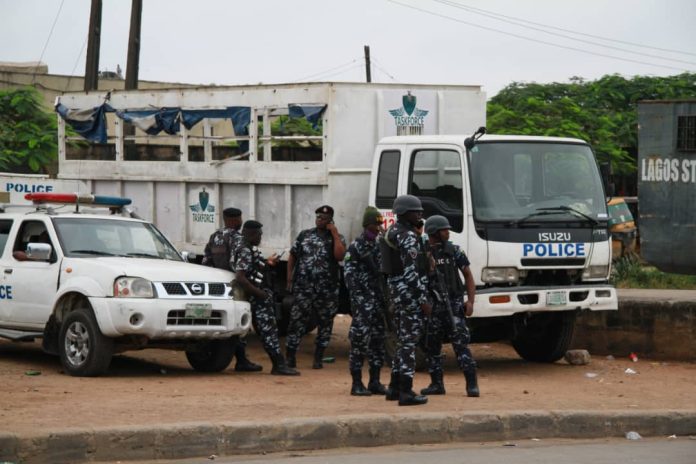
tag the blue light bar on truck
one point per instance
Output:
(78, 199)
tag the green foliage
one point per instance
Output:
(285, 125)
(602, 112)
(628, 272)
(27, 131)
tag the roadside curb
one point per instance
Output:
(205, 439)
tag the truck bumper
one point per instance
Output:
(492, 302)
(159, 318)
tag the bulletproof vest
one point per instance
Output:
(391, 258)
(220, 253)
(446, 265)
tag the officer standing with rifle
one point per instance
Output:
(448, 318)
(363, 276)
(405, 261)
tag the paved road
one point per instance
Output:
(664, 451)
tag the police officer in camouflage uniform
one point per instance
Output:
(405, 261)
(252, 277)
(448, 318)
(219, 253)
(313, 267)
(362, 269)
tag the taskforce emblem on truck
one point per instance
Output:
(203, 211)
(409, 119)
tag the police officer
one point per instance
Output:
(219, 253)
(448, 318)
(313, 280)
(251, 276)
(406, 263)
(362, 268)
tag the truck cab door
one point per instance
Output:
(33, 282)
(6, 290)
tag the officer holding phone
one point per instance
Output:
(313, 278)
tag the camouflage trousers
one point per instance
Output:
(264, 320)
(309, 301)
(408, 318)
(439, 328)
(366, 330)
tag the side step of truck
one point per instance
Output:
(20, 335)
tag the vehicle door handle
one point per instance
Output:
(8, 271)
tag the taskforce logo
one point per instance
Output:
(203, 211)
(409, 119)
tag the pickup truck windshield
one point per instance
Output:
(94, 237)
(522, 182)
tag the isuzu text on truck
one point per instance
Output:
(539, 245)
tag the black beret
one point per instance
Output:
(252, 225)
(231, 212)
(326, 209)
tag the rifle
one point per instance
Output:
(441, 294)
(382, 287)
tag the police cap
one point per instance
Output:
(435, 223)
(252, 225)
(405, 203)
(231, 212)
(325, 209)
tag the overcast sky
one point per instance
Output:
(490, 43)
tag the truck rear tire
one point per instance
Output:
(84, 350)
(212, 355)
(546, 337)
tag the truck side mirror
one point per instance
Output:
(39, 251)
(605, 172)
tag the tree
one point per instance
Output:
(28, 133)
(602, 112)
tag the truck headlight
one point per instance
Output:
(596, 272)
(133, 287)
(500, 275)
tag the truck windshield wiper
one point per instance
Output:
(143, 255)
(94, 252)
(569, 209)
(538, 212)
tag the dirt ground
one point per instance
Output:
(153, 387)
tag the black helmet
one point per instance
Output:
(405, 203)
(435, 223)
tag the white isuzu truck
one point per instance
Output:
(529, 212)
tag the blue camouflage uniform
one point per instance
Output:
(409, 290)
(449, 258)
(249, 259)
(315, 286)
(362, 265)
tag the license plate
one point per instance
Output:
(198, 310)
(556, 298)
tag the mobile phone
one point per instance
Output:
(280, 255)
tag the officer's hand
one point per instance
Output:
(273, 259)
(427, 308)
(331, 227)
(288, 287)
(469, 308)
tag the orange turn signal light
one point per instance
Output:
(499, 299)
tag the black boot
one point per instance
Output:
(290, 360)
(374, 385)
(472, 388)
(280, 367)
(358, 389)
(318, 356)
(243, 364)
(407, 397)
(392, 392)
(436, 387)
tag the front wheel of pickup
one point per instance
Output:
(545, 337)
(84, 350)
(212, 355)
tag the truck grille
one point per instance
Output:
(177, 317)
(195, 289)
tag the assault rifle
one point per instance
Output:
(438, 287)
(382, 287)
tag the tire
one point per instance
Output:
(213, 355)
(84, 350)
(546, 337)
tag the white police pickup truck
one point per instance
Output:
(92, 285)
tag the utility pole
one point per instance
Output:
(93, 42)
(368, 66)
(133, 64)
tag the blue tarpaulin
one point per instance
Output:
(312, 113)
(89, 123)
(153, 121)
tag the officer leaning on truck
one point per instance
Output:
(405, 261)
(219, 253)
(449, 311)
(313, 267)
(251, 275)
(362, 268)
